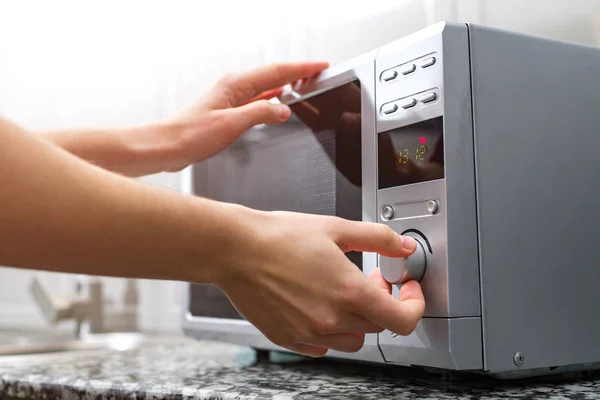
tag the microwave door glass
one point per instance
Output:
(310, 164)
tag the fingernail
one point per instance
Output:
(408, 243)
(284, 111)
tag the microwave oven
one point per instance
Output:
(482, 144)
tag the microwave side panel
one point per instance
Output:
(537, 123)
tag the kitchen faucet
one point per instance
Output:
(88, 307)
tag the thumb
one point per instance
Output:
(399, 315)
(256, 113)
(373, 237)
(380, 281)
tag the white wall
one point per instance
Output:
(70, 63)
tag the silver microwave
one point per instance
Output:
(482, 144)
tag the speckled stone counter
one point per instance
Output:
(185, 369)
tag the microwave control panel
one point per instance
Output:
(410, 164)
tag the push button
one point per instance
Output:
(408, 69)
(408, 103)
(387, 212)
(389, 108)
(389, 75)
(428, 62)
(432, 206)
(428, 98)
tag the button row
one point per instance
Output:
(408, 103)
(406, 69)
(408, 210)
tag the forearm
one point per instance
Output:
(133, 151)
(60, 213)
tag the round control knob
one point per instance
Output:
(400, 270)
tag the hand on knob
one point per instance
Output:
(402, 270)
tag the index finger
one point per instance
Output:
(272, 76)
(371, 237)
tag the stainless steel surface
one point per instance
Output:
(538, 237)
(459, 204)
(23, 343)
(451, 343)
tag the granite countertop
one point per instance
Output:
(180, 368)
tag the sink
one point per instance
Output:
(37, 344)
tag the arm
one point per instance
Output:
(60, 213)
(194, 133)
(130, 151)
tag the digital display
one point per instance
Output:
(411, 154)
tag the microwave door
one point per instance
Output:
(311, 164)
(336, 112)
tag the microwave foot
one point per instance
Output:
(277, 357)
(262, 356)
(445, 376)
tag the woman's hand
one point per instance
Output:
(233, 105)
(338, 111)
(196, 132)
(292, 280)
